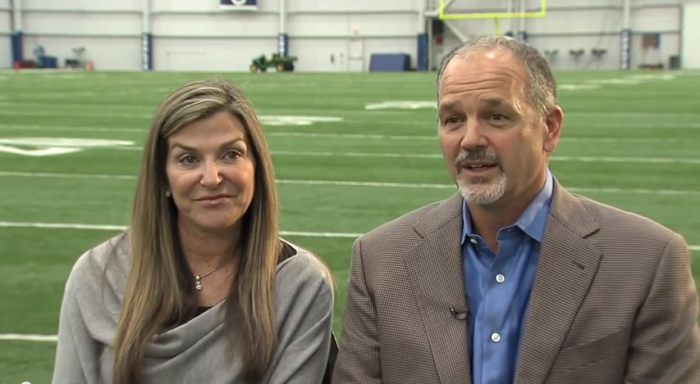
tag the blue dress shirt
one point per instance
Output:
(498, 288)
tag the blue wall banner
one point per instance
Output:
(243, 5)
(147, 51)
(16, 44)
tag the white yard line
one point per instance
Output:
(652, 160)
(19, 128)
(76, 114)
(336, 136)
(65, 175)
(10, 224)
(109, 227)
(359, 136)
(585, 159)
(54, 338)
(370, 184)
(28, 337)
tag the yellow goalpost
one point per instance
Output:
(496, 16)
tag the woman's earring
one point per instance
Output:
(167, 193)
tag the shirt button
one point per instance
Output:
(495, 337)
(500, 278)
(473, 241)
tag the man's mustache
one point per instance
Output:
(479, 155)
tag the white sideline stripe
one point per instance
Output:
(652, 160)
(592, 116)
(375, 184)
(103, 227)
(358, 136)
(54, 338)
(361, 136)
(65, 175)
(69, 129)
(22, 337)
(10, 224)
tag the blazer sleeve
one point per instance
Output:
(77, 353)
(665, 342)
(359, 352)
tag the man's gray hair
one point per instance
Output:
(542, 87)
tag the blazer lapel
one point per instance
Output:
(567, 265)
(435, 271)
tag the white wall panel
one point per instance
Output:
(5, 51)
(85, 24)
(87, 6)
(234, 25)
(350, 6)
(197, 6)
(315, 54)
(108, 30)
(690, 54)
(347, 24)
(207, 54)
(5, 44)
(345, 55)
(198, 35)
(116, 54)
(350, 31)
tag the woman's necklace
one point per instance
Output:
(198, 278)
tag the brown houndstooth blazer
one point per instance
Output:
(613, 302)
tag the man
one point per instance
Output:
(514, 279)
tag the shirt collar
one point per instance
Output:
(532, 221)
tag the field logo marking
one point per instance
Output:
(52, 146)
(297, 120)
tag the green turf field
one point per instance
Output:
(346, 161)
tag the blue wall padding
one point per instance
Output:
(283, 42)
(147, 52)
(16, 46)
(422, 57)
(389, 62)
(48, 62)
(625, 48)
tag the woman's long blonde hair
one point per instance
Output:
(159, 289)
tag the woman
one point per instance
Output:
(201, 288)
